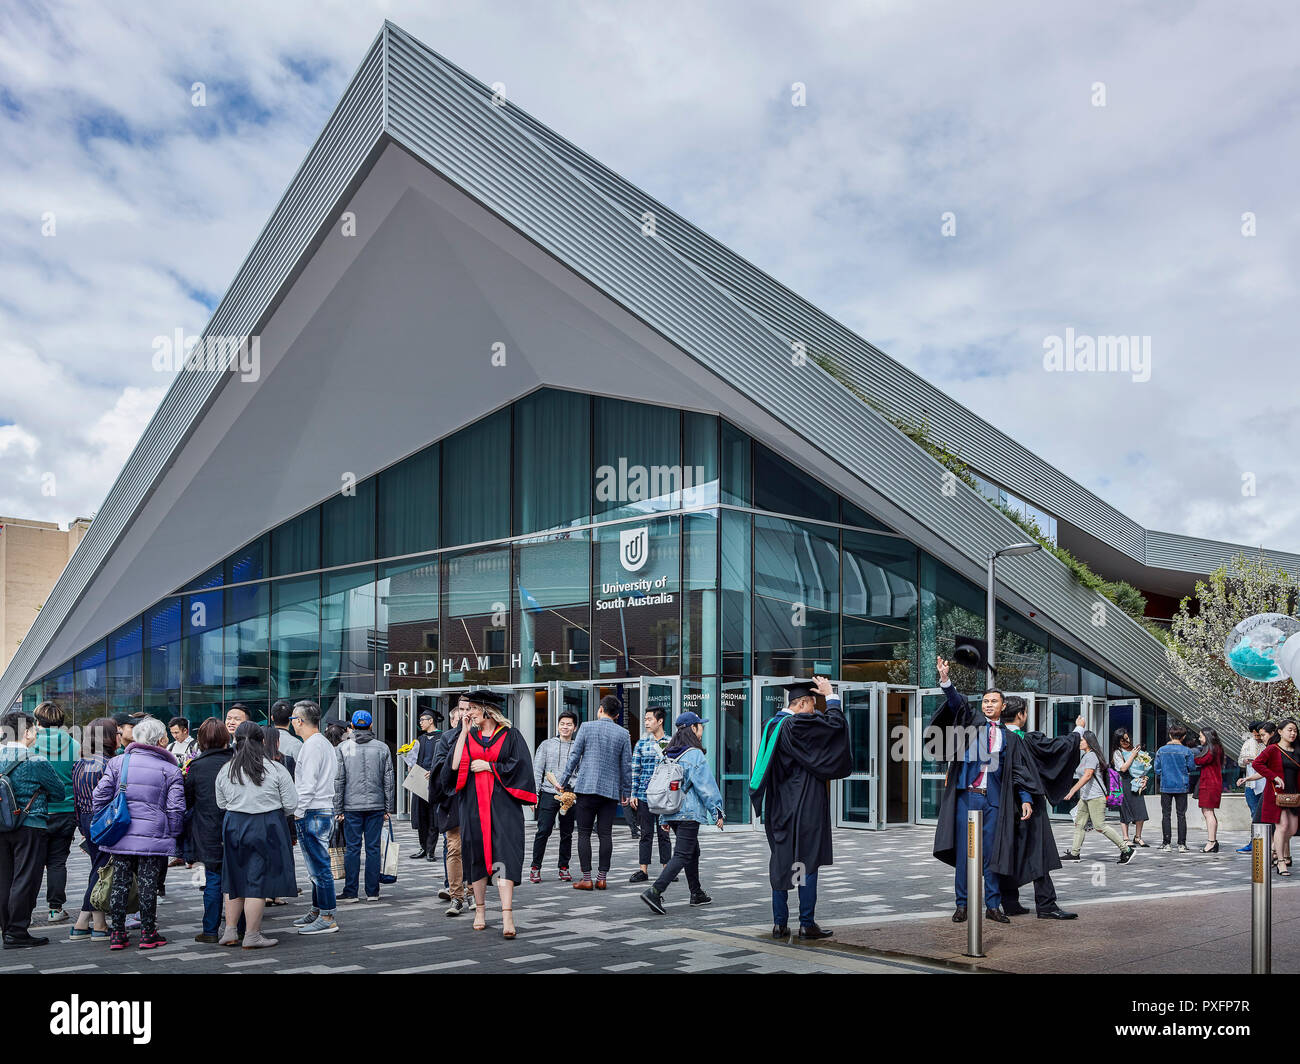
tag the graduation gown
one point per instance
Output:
(1036, 849)
(1018, 773)
(793, 797)
(492, 803)
(443, 798)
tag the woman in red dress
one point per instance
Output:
(1210, 790)
(1279, 764)
(491, 772)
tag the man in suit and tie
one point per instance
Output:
(991, 772)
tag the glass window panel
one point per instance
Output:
(212, 578)
(163, 661)
(700, 483)
(295, 545)
(950, 606)
(476, 616)
(408, 505)
(700, 632)
(733, 747)
(552, 432)
(203, 674)
(407, 624)
(476, 482)
(348, 526)
(797, 562)
(881, 605)
(637, 621)
(1064, 679)
(859, 518)
(638, 459)
(91, 686)
(32, 696)
(552, 614)
(251, 563)
(794, 642)
(785, 489)
(59, 686)
(295, 639)
(1021, 656)
(347, 636)
(125, 670)
(734, 598)
(737, 466)
(247, 648)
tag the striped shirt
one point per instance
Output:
(86, 774)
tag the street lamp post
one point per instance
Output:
(991, 630)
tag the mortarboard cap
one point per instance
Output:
(971, 652)
(799, 690)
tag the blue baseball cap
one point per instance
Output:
(688, 718)
(362, 719)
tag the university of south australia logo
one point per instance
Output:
(634, 548)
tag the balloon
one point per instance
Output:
(1252, 647)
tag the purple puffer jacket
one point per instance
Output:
(155, 795)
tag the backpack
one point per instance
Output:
(11, 815)
(1114, 790)
(666, 789)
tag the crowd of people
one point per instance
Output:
(232, 800)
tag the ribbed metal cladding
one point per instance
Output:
(1166, 550)
(350, 133)
(446, 118)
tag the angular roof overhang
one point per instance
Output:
(406, 96)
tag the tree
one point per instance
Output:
(1230, 594)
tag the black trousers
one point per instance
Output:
(686, 856)
(61, 829)
(22, 865)
(595, 810)
(422, 817)
(548, 810)
(1044, 893)
(650, 828)
(1180, 800)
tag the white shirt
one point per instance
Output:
(314, 771)
(995, 732)
(184, 748)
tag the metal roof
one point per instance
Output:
(589, 220)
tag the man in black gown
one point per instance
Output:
(447, 809)
(1036, 850)
(801, 751)
(423, 814)
(991, 771)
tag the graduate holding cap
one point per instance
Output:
(801, 751)
(491, 772)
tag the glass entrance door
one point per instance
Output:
(407, 729)
(1123, 713)
(857, 798)
(928, 756)
(765, 701)
(898, 760)
(1062, 712)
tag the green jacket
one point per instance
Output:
(62, 751)
(35, 776)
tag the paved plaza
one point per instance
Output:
(883, 882)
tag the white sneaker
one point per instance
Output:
(455, 908)
(322, 925)
(348, 901)
(57, 916)
(310, 917)
(1183, 849)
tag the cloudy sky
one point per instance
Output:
(125, 211)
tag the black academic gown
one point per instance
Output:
(793, 798)
(1018, 773)
(423, 812)
(446, 804)
(492, 803)
(1056, 759)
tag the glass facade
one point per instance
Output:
(575, 539)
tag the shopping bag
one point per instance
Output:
(388, 855)
(99, 894)
(417, 782)
(338, 850)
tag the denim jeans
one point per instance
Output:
(368, 824)
(314, 839)
(1253, 802)
(807, 903)
(213, 909)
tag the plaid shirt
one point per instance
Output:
(647, 753)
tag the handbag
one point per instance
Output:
(1285, 800)
(101, 892)
(388, 855)
(114, 819)
(338, 850)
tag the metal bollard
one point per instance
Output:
(1261, 899)
(975, 883)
